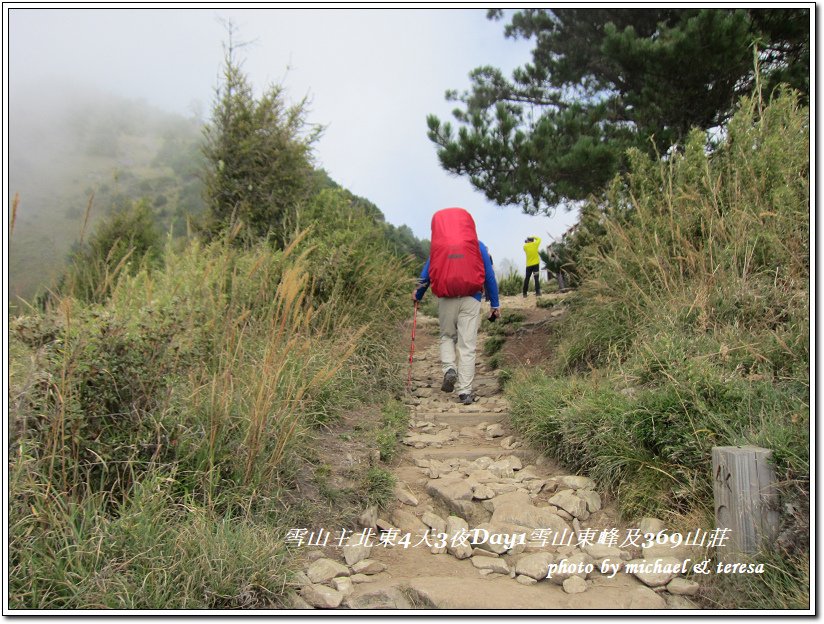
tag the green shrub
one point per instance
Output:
(199, 381)
(394, 423)
(510, 284)
(691, 330)
(593, 335)
(512, 317)
(504, 375)
(126, 240)
(493, 344)
(379, 487)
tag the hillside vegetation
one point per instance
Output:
(691, 329)
(167, 398)
(157, 435)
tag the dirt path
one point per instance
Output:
(467, 477)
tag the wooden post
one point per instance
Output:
(745, 496)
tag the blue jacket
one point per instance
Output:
(490, 283)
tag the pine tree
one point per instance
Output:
(604, 80)
(259, 159)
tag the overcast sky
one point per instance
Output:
(372, 75)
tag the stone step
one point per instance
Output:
(471, 454)
(461, 420)
(502, 593)
(484, 593)
(451, 400)
(433, 378)
(432, 375)
(435, 392)
(478, 412)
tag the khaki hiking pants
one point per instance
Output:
(459, 318)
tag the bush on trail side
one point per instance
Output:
(156, 434)
(126, 240)
(691, 330)
(510, 284)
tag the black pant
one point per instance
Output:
(530, 271)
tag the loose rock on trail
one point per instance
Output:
(482, 521)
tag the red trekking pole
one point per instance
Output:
(412, 348)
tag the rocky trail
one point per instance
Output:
(484, 522)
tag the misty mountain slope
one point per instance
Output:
(73, 147)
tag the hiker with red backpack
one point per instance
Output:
(459, 269)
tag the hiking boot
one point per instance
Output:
(467, 399)
(449, 379)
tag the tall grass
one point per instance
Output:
(691, 330)
(510, 283)
(14, 204)
(155, 429)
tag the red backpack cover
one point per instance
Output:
(456, 268)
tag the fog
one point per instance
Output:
(372, 76)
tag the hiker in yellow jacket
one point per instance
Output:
(531, 247)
